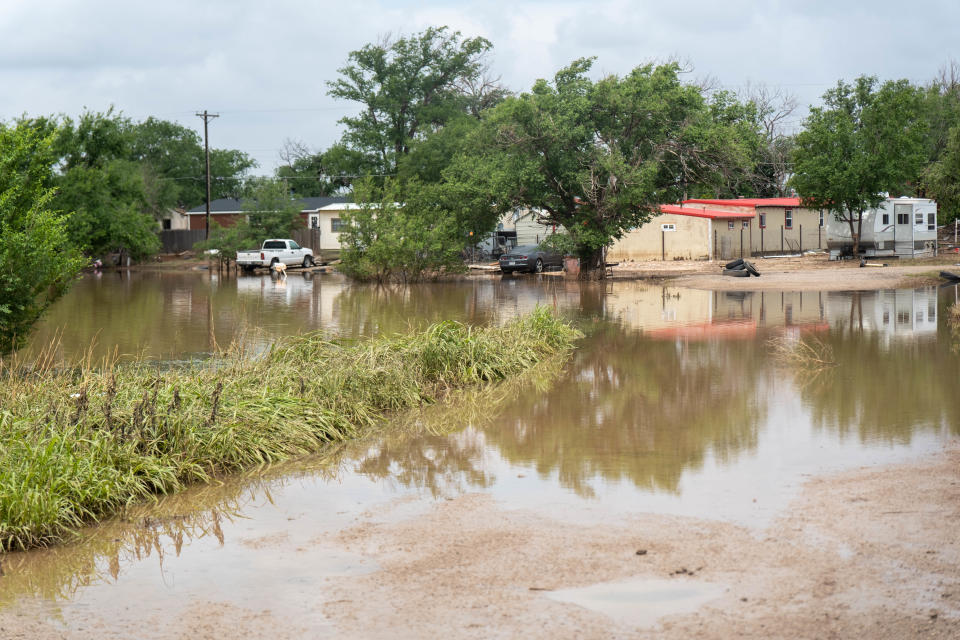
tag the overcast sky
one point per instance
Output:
(263, 65)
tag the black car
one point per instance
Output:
(529, 258)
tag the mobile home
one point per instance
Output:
(899, 227)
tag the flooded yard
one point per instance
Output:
(625, 491)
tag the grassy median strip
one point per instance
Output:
(76, 446)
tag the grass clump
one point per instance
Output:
(78, 445)
(808, 356)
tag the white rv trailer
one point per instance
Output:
(899, 227)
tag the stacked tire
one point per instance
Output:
(740, 268)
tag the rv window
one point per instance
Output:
(886, 218)
(931, 222)
(763, 221)
(788, 218)
(903, 218)
(918, 219)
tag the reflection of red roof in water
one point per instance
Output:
(726, 330)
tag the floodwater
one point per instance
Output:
(675, 402)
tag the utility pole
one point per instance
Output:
(207, 117)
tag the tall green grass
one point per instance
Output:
(75, 446)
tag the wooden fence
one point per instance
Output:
(177, 240)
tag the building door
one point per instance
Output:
(903, 229)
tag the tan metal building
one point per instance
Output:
(779, 225)
(685, 232)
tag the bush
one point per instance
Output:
(37, 261)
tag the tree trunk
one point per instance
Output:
(593, 265)
(856, 238)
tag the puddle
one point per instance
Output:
(641, 602)
(672, 404)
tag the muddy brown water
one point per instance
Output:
(673, 403)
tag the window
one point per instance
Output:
(668, 227)
(903, 211)
(336, 225)
(314, 221)
(730, 225)
(167, 224)
(821, 217)
(918, 219)
(294, 245)
(788, 218)
(931, 222)
(746, 224)
(763, 221)
(886, 218)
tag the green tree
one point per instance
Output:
(400, 232)
(110, 207)
(118, 176)
(37, 261)
(596, 157)
(270, 211)
(308, 174)
(407, 88)
(941, 179)
(867, 139)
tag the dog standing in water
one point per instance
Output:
(281, 269)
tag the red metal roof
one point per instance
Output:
(749, 202)
(698, 212)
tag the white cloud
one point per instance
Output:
(263, 66)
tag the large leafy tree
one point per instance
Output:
(37, 260)
(407, 88)
(270, 211)
(941, 179)
(868, 138)
(118, 175)
(400, 232)
(598, 157)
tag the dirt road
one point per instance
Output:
(810, 273)
(872, 553)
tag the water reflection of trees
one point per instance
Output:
(440, 449)
(101, 553)
(886, 390)
(637, 410)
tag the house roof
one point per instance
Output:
(698, 212)
(235, 205)
(751, 203)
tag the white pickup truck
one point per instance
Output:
(273, 251)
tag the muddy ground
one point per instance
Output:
(872, 552)
(809, 273)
